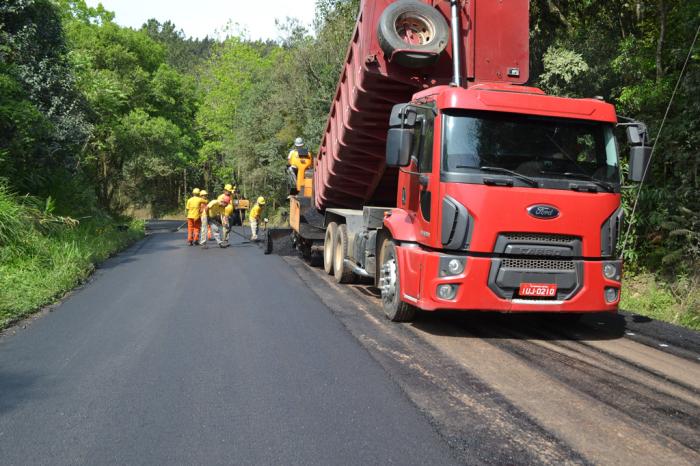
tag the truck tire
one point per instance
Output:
(410, 25)
(341, 272)
(390, 285)
(328, 246)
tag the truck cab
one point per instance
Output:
(507, 200)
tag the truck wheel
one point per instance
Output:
(342, 273)
(410, 25)
(390, 286)
(328, 246)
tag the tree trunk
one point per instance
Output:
(638, 10)
(660, 43)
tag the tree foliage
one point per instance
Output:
(135, 117)
(632, 53)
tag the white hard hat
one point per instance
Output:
(298, 142)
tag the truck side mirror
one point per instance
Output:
(402, 115)
(399, 139)
(639, 159)
(398, 147)
(640, 151)
(634, 137)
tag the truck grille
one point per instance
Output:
(536, 258)
(538, 245)
(540, 237)
(538, 264)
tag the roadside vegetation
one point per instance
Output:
(43, 255)
(102, 118)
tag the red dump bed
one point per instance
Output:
(350, 170)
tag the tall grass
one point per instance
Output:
(42, 256)
(677, 301)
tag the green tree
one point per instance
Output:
(143, 112)
(44, 115)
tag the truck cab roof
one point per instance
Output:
(498, 97)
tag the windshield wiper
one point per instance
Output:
(517, 175)
(582, 176)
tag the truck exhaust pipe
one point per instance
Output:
(456, 50)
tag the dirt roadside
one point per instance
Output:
(525, 389)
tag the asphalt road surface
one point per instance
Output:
(177, 355)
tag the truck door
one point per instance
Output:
(424, 186)
(416, 188)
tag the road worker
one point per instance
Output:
(204, 224)
(228, 218)
(255, 216)
(299, 161)
(229, 190)
(193, 217)
(216, 210)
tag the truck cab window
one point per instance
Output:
(536, 147)
(423, 141)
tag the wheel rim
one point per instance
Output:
(415, 29)
(327, 250)
(338, 257)
(388, 280)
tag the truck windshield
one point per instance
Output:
(549, 150)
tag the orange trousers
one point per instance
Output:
(193, 226)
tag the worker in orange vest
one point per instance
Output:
(193, 217)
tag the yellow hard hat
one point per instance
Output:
(203, 193)
(228, 187)
(261, 200)
(196, 191)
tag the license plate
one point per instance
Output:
(538, 290)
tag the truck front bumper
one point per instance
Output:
(421, 277)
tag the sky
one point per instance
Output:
(198, 18)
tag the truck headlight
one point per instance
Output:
(455, 266)
(447, 292)
(450, 266)
(611, 270)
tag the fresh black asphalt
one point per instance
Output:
(177, 355)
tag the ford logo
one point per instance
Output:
(543, 211)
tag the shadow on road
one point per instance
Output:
(17, 388)
(535, 326)
(541, 326)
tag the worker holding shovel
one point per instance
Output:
(216, 211)
(255, 217)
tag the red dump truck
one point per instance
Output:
(451, 184)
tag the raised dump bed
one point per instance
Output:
(379, 72)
